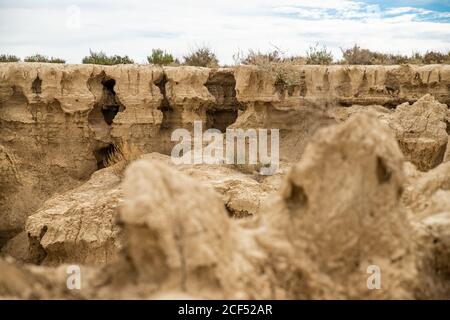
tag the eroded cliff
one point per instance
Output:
(59, 123)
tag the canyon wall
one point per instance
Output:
(59, 122)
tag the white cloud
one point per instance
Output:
(135, 27)
(400, 10)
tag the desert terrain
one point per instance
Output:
(87, 180)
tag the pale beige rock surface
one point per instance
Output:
(421, 130)
(32, 282)
(340, 209)
(350, 201)
(78, 226)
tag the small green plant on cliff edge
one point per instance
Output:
(9, 58)
(281, 68)
(104, 59)
(161, 58)
(41, 58)
(318, 55)
(201, 57)
(360, 56)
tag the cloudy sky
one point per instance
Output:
(68, 29)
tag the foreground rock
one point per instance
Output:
(434, 258)
(345, 207)
(421, 130)
(180, 241)
(178, 235)
(243, 192)
(428, 193)
(427, 197)
(31, 282)
(340, 224)
(58, 121)
(78, 226)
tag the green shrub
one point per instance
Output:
(416, 58)
(9, 58)
(102, 58)
(281, 68)
(432, 57)
(357, 55)
(318, 55)
(41, 58)
(161, 57)
(201, 57)
(256, 57)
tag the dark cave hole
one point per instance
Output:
(383, 172)
(36, 86)
(110, 105)
(222, 85)
(109, 85)
(165, 107)
(161, 84)
(297, 199)
(36, 251)
(221, 119)
(109, 112)
(101, 155)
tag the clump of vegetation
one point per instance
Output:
(104, 59)
(121, 156)
(360, 56)
(432, 57)
(357, 55)
(257, 58)
(201, 57)
(9, 58)
(318, 55)
(275, 63)
(41, 58)
(161, 58)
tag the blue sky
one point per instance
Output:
(68, 29)
(436, 5)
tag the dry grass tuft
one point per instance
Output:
(281, 68)
(201, 57)
(122, 155)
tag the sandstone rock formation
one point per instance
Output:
(31, 282)
(78, 226)
(427, 197)
(340, 209)
(428, 192)
(184, 243)
(349, 202)
(434, 264)
(179, 240)
(422, 131)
